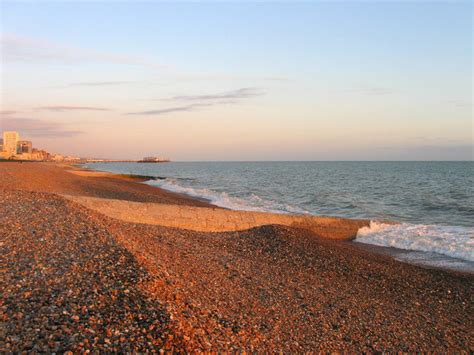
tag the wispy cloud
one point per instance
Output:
(243, 93)
(7, 112)
(183, 108)
(71, 108)
(370, 90)
(435, 140)
(461, 103)
(38, 50)
(226, 77)
(20, 48)
(38, 128)
(375, 90)
(193, 102)
(186, 108)
(99, 83)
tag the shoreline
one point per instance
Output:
(267, 288)
(138, 178)
(413, 257)
(420, 259)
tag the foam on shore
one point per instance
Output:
(432, 240)
(424, 244)
(223, 199)
(452, 241)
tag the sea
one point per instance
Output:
(432, 201)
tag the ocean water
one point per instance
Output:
(434, 201)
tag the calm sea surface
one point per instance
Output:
(435, 200)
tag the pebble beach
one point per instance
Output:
(73, 279)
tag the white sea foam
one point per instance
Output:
(453, 241)
(223, 199)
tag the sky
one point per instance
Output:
(203, 81)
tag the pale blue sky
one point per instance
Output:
(241, 81)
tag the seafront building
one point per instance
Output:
(10, 142)
(12, 148)
(24, 147)
(41, 155)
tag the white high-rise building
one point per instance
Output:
(10, 141)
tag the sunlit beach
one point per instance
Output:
(250, 176)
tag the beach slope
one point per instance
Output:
(76, 279)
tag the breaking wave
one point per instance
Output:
(251, 203)
(452, 241)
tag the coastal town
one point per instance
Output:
(14, 148)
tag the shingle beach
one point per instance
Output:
(73, 279)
